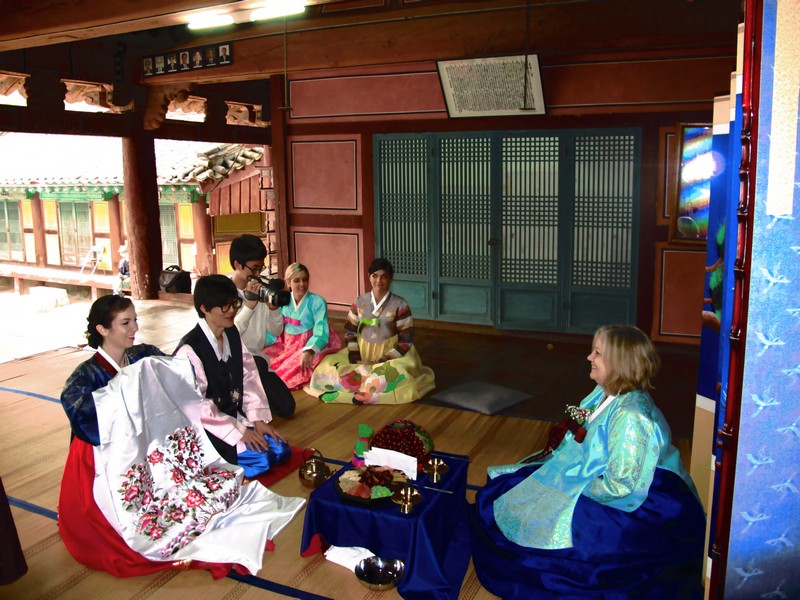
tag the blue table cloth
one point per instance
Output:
(432, 541)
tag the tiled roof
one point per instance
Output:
(214, 164)
(48, 160)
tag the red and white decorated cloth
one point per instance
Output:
(161, 484)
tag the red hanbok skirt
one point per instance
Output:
(90, 538)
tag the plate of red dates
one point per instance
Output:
(370, 485)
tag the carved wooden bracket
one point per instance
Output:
(158, 103)
(11, 82)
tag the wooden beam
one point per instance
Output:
(45, 22)
(450, 30)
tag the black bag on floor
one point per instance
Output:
(174, 280)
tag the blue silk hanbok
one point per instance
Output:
(88, 377)
(615, 516)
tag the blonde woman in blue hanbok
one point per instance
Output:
(379, 364)
(610, 512)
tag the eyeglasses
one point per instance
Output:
(255, 270)
(235, 305)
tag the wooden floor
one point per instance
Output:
(34, 436)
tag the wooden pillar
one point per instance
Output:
(216, 111)
(141, 213)
(279, 160)
(39, 235)
(45, 93)
(115, 233)
(201, 222)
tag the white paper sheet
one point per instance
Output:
(381, 457)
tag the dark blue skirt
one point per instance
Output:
(654, 552)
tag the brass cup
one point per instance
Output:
(435, 468)
(407, 496)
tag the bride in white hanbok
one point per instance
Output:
(143, 488)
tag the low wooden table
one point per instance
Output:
(432, 540)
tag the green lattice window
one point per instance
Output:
(75, 231)
(404, 205)
(603, 209)
(466, 205)
(11, 246)
(169, 235)
(527, 229)
(530, 206)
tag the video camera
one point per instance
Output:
(270, 291)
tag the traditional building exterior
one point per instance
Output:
(62, 200)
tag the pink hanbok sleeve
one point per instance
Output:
(225, 427)
(254, 400)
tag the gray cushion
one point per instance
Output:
(479, 396)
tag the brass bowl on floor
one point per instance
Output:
(380, 574)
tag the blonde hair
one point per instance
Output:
(293, 269)
(631, 358)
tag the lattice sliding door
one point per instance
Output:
(403, 215)
(524, 230)
(529, 290)
(606, 192)
(466, 273)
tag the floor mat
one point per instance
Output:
(281, 470)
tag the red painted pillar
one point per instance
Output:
(39, 235)
(116, 234)
(201, 222)
(141, 213)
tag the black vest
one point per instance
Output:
(225, 379)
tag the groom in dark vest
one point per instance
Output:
(235, 411)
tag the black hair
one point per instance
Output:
(103, 312)
(381, 264)
(212, 291)
(245, 248)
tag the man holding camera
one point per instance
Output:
(257, 316)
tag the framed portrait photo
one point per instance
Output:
(696, 166)
(224, 53)
(211, 56)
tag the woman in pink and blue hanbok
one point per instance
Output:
(306, 337)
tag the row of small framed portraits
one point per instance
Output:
(188, 59)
